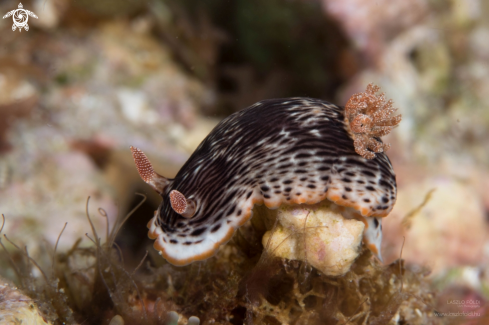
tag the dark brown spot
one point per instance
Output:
(230, 212)
(385, 183)
(284, 166)
(198, 232)
(366, 172)
(216, 228)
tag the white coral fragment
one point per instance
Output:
(317, 234)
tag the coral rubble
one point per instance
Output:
(318, 235)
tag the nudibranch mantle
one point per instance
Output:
(277, 151)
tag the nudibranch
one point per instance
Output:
(276, 152)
